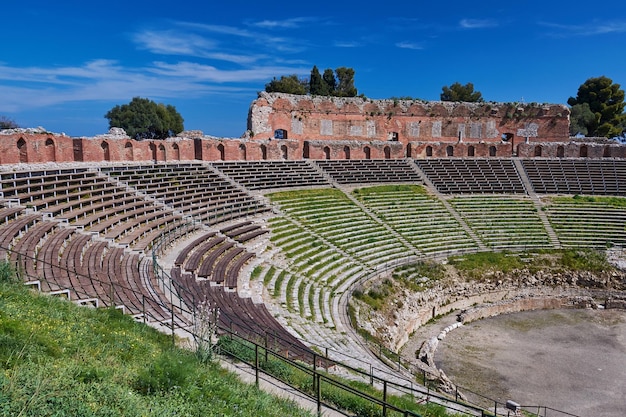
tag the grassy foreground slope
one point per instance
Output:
(58, 359)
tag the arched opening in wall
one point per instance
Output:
(367, 152)
(280, 134)
(263, 152)
(507, 137)
(449, 150)
(221, 150)
(106, 154)
(346, 152)
(175, 152)
(393, 136)
(306, 151)
(538, 150)
(284, 151)
(23, 151)
(128, 151)
(583, 151)
(153, 151)
(409, 151)
(607, 152)
(387, 152)
(197, 149)
(493, 151)
(560, 151)
(162, 156)
(429, 150)
(326, 152)
(470, 150)
(242, 152)
(50, 151)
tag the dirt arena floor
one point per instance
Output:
(569, 360)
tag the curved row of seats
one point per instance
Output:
(89, 230)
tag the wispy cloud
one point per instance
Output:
(292, 23)
(347, 44)
(592, 28)
(409, 45)
(477, 23)
(103, 80)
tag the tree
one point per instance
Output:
(458, 92)
(289, 84)
(345, 87)
(6, 123)
(330, 80)
(317, 86)
(581, 116)
(144, 119)
(606, 102)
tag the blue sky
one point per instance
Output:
(64, 64)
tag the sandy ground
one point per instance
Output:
(569, 360)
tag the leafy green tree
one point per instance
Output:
(144, 119)
(289, 84)
(345, 86)
(6, 123)
(317, 86)
(458, 92)
(581, 116)
(606, 102)
(330, 80)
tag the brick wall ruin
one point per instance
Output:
(283, 126)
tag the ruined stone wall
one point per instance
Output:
(35, 148)
(337, 118)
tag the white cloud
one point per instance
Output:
(102, 80)
(292, 23)
(409, 45)
(347, 44)
(477, 23)
(586, 29)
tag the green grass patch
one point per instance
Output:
(583, 200)
(58, 359)
(400, 188)
(477, 265)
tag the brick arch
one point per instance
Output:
(222, 151)
(22, 149)
(106, 152)
(346, 152)
(175, 152)
(128, 151)
(50, 151)
(242, 152)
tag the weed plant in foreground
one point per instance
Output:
(58, 359)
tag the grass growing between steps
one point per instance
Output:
(583, 200)
(364, 192)
(58, 359)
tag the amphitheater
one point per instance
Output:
(278, 244)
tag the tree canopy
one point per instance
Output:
(339, 82)
(458, 92)
(605, 101)
(289, 84)
(144, 119)
(6, 123)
